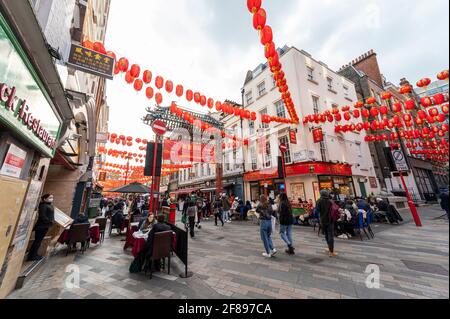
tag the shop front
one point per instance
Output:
(304, 181)
(30, 127)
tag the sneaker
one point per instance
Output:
(343, 236)
(267, 255)
(334, 254)
(273, 252)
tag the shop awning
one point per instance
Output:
(185, 191)
(213, 189)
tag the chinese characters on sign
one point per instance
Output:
(318, 135)
(293, 136)
(91, 62)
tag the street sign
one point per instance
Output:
(293, 136)
(318, 135)
(159, 127)
(283, 148)
(91, 62)
(400, 161)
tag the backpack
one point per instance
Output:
(334, 211)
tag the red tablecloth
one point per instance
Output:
(138, 246)
(94, 233)
(130, 240)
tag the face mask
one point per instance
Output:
(50, 200)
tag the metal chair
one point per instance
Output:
(102, 223)
(79, 233)
(162, 249)
(360, 226)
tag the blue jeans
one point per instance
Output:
(286, 234)
(266, 233)
(226, 217)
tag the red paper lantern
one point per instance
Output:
(253, 116)
(88, 45)
(443, 75)
(405, 89)
(179, 90)
(374, 112)
(203, 100)
(371, 101)
(410, 105)
(445, 109)
(424, 82)
(433, 111)
(159, 82)
(99, 47)
(330, 118)
(365, 113)
(359, 104)
(439, 99)
(266, 35)
(347, 116)
(147, 76)
(440, 118)
(386, 96)
(129, 78)
(383, 110)
(397, 108)
(135, 70)
(111, 55)
(197, 97)
(407, 117)
(421, 114)
(138, 85)
(269, 52)
(189, 95)
(123, 64)
(218, 106)
(149, 93)
(169, 86)
(338, 117)
(113, 136)
(259, 19)
(254, 5)
(210, 103)
(158, 98)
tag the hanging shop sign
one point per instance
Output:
(25, 106)
(318, 135)
(14, 161)
(373, 182)
(293, 136)
(92, 62)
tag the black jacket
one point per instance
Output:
(324, 207)
(286, 216)
(46, 215)
(265, 213)
(157, 228)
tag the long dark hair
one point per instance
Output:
(284, 201)
(263, 203)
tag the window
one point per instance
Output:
(281, 109)
(330, 84)
(268, 155)
(251, 126)
(262, 89)
(316, 107)
(254, 159)
(264, 125)
(310, 73)
(323, 151)
(249, 98)
(287, 155)
(346, 94)
(274, 82)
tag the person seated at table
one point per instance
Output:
(118, 217)
(81, 219)
(159, 227)
(146, 224)
(345, 224)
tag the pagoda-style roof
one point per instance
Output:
(174, 122)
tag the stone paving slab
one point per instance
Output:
(227, 263)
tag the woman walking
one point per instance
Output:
(265, 215)
(191, 214)
(286, 222)
(324, 208)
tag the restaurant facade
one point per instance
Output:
(304, 181)
(34, 115)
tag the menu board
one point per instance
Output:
(62, 219)
(28, 210)
(14, 161)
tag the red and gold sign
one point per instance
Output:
(317, 135)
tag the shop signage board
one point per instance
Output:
(318, 135)
(102, 138)
(91, 62)
(400, 161)
(293, 136)
(304, 156)
(14, 161)
(25, 106)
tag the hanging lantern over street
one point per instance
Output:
(189, 95)
(371, 101)
(135, 70)
(169, 86)
(405, 89)
(423, 82)
(445, 108)
(410, 105)
(386, 96)
(397, 108)
(179, 90)
(99, 47)
(356, 114)
(123, 64)
(259, 19)
(158, 98)
(149, 93)
(383, 110)
(129, 78)
(269, 52)
(266, 35)
(88, 45)
(359, 104)
(159, 82)
(254, 5)
(374, 112)
(138, 85)
(439, 99)
(147, 76)
(443, 76)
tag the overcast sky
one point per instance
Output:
(208, 45)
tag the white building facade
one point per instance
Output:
(341, 163)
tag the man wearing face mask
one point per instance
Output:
(45, 221)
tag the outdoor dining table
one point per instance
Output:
(94, 234)
(130, 240)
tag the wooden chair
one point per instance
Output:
(79, 233)
(102, 223)
(162, 249)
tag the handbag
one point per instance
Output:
(184, 219)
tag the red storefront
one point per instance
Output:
(304, 180)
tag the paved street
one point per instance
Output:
(227, 263)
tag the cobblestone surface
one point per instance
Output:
(227, 263)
